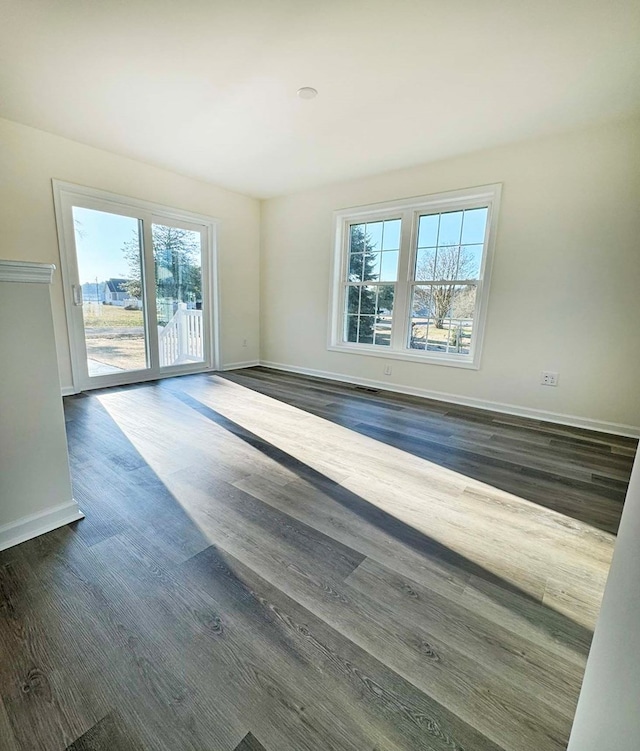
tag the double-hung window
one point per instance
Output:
(411, 278)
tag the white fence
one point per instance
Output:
(182, 340)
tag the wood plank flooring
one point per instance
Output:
(277, 563)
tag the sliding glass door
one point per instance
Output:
(138, 286)
(109, 294)
(177, 257)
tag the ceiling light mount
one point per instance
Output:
(307, 92)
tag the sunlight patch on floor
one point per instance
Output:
(472, 519)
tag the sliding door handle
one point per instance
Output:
(77, 294)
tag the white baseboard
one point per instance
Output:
(509, 409)
(68, 391)
(602, 426)
(238, 365)
(37, 524)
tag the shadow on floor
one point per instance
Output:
(598, 503)
(372, 514)
(129, 508)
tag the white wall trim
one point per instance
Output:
(26, 271)
(408, 355)
(602, 426)
(238, 365)
(559, 418)
(37, 524)
(124, 380)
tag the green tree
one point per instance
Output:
(363, 267)
(176, 254)
(131, 251)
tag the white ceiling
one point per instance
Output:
(208, 87)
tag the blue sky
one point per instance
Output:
(99, 240)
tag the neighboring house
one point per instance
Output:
(115, 292)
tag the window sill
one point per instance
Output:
(389, 354)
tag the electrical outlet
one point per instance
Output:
(549, 378)
(244, 342)
(387, 369)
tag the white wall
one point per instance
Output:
(607, 716)
(29, 158)
(35, 487)
(565, 293)
(565, 283)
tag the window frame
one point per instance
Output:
(409, 210)
(67, 195)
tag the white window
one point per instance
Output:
(411, 278)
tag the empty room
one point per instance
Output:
(319, 406)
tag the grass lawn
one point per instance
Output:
(97, 315)
(127, 352)
(124, 350)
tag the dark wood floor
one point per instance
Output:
(277, 563)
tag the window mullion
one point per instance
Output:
(402, 301)
(149, 297)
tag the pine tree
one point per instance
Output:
(364, 260)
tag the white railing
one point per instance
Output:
(181, 340)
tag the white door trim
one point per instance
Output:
(66, 195)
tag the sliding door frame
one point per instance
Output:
(65, 196)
